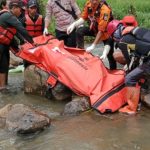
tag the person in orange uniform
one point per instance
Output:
(98, 14)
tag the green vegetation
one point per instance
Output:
(139, 8)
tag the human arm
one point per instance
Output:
(97, 38)
(81, 20)
(105, 52)
(76, 8)
(102, 22)
(14, 22)
(47, 17)
(74, 25)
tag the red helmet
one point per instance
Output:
(112, 26)
(129, 21)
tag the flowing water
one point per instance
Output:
(87, 131)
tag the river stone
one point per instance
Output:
(61, 92)
(24, 119)
(77, 105)
(35, 80)
(15, 61)
(146, 99)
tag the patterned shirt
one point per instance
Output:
(62, 18)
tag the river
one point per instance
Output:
(87, 131)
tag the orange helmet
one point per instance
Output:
(112, 26)
(129, 21)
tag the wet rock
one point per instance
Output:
(146, 99)
(15, 61)
(145, 92)
(35, 83)
(77, 105)
(35, 80)
(61, 92)
(20, 118)
(5, 110)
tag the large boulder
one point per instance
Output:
(35, 83)
(35, 80)
(20, 118)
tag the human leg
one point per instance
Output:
(80, 33)
(112, 62)
(133, 94)
(71, 40)
(4, 65)
(133, 91)
(62, 36)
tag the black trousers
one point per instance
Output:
(4, 58)
(69, 40)
(85, 31)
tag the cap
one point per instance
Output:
(31, 3)
(17, 3)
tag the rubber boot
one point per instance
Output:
(3, 78)
(133, 94)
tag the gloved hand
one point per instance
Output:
(90, 48)
(74, 25)
(45, 32)
(105, 52)
(71, 28)
(125, 67)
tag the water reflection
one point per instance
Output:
(88, 131)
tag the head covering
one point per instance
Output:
(31, 3)
(17, 3)
(129, 20)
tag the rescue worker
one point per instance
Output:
(33, 22)
(98, 14)
(64, 12)
(9, 26)
(133, 40)
(128, 20)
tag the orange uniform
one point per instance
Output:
(101, 14)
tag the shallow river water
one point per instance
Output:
(87, 131)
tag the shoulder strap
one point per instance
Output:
(61, 6)
(68, 11)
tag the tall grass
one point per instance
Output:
(120, 8)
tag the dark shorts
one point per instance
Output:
(4, 59)
(138, 73)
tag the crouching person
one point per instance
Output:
(98, 14)
(9, 26)
(133, 40)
